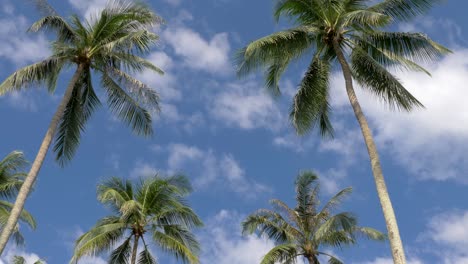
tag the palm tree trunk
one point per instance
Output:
(389, 215)
(37, 164)
(135, 249)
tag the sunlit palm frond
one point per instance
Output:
(404, 10)
(281, 254)
(101, 237)
(371, 75)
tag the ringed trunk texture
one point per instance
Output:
(135, 249)
(396, 245)
(37, 164)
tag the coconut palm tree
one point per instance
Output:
(11, 179)
(110, 46)
(302, 231)
(22, 260)
(353, 34)
(154, 209)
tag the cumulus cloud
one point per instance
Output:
(207, 55)
(247, 106)
(143, 169)
(224, 243)
(89, 8)
(429, 142)
(212, 169)
(164, 84)
(18, 46)
(449, 232)
(12, 251)
(381, 260)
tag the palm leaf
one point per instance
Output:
(101, 237)
(35, 74)
(371, 75)
(127, 108)
(281, 254)
(121, 254)
(404, 10)
(145, 257)
(310, 105)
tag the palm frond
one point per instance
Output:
(310, 105)
(145, 257)
(18, 260)
(365, 18)
(404, 10)
(281, 254)
(277, 49)
(271, 224)
(335, 200)
(413, 46)
(127, 108)
(33, 75)
(115, 192)
(371, 75)
(121, 254)
(79, 109)
(337, 230)
(57, 25)
(101, 237)
(25, 216)
(370, 233)
(303, 11)
(176, 246)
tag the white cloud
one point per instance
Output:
(212, 170)
(450, 230)
(143, 169)
(93, 260)
(12, 251)
(389, 261)
(247, 106)
(89, 8)
(163, 84)
(18, 46)
(429, 142)
(224, 244)
(197, 53)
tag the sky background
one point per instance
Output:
(235, 143)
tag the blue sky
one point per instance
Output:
(235, 143)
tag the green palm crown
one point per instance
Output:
(154, 208)
(302, 231)
(359, 30)
(109, 46)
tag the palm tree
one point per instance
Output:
(11, 179)
(303, 230)
(21, 260)
(352, 33)
(110, 46)
(156, 206)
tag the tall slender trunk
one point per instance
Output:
(135, 249)
(387, 208)
(37, 164)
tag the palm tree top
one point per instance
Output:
(304, 230)
(153, 209)
(110, 45)
(357, 28)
